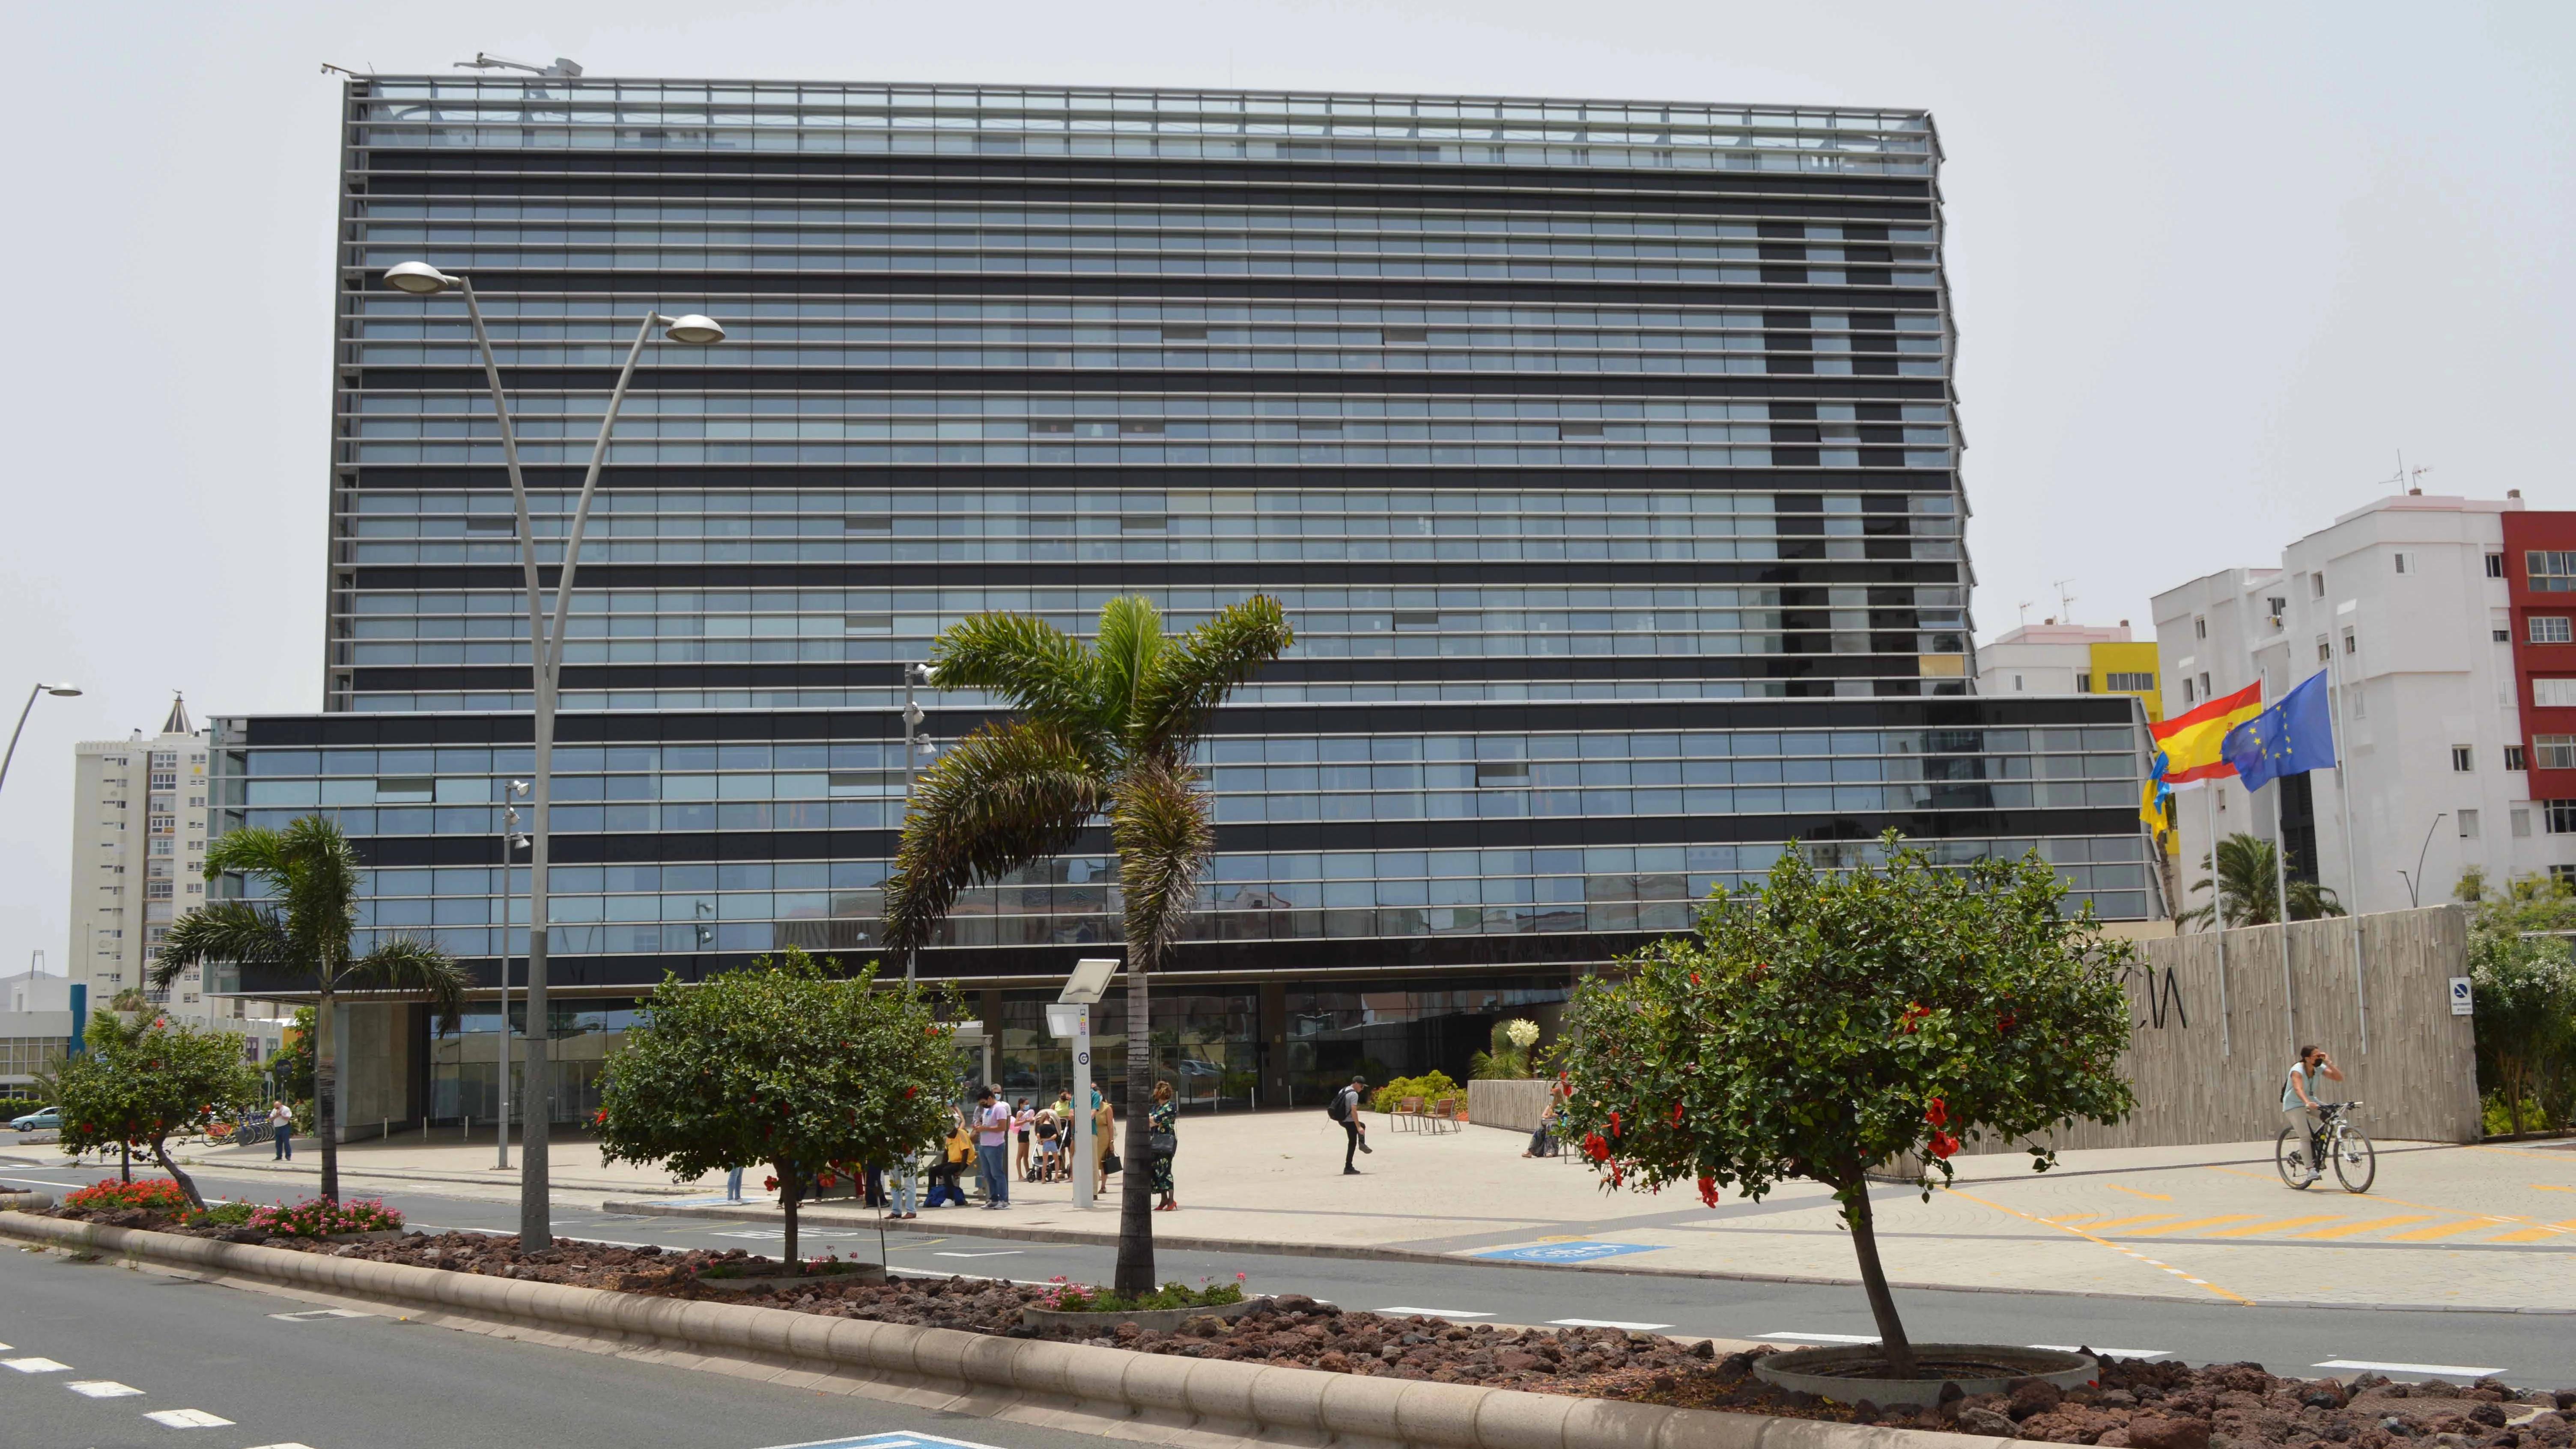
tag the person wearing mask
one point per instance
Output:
(992, 1148)
(1022, 1122)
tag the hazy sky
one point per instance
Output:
(2215, 266)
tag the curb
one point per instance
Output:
(1164, 1396)
(1366, 1253)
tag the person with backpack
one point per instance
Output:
(1345, 1109)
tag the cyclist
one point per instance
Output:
(2299, 1103)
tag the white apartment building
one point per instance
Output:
(138, 863)
(2411, 596)
(35, 1024)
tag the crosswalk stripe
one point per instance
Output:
(2250, 1229)
(2533, 1235)
(2190, 1223)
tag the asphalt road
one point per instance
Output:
(94, 1351)
(2526, 1349)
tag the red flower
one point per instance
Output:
(1708, 1191)
(912, 1091)
(1943, 1144)
(1677, 1114)
(1595, 1148)
(1614, 1124)
(1937, 1112)
(1694, 978)
(2005, 1023)
(769, 1184)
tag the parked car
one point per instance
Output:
(49, 1119)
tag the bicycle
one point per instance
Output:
(2356, 1162)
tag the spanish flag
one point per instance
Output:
(2189, 743)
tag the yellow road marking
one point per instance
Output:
(2430, 1207)
(2077, 1218)
(2551, 1187)
(2349, 1229)
(2533, 1235)
(2250, 1229)
(2133, 1192)
(2106, 1242)
(2124, 1222)
(2189, 1224)
(2444, 1230)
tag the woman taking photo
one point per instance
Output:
(1165, 1140)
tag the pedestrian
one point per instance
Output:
(1163, 1125)
(1541, 1143)
(1346, 1110)
(281, 1126)
(2299, 1104)
(992, 1148)
(954, 1153)
(733, 1185)
(1023, 1121)
(1104, 1140)
(901, 1179)
(1045, 1128)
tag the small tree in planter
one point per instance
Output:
(1820, 1026)
(781, 1064)
(142, 1081)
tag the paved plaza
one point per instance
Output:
(2491, 1226)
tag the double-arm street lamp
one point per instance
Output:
(65, 690)
(545, 658)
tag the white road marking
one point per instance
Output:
(2460, 1370)
(34, 1365)
(1606, 1323)
(2106, 1352)
(187, 1419)
(290, 1444)
(892, 1439)
(1409, 1311)
(1002, 1253)
(1820, 1337)
(802, 1234)
(312, 1315)
(102, 1389)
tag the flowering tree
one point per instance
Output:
(781, 1064)
(142, 1081)
(1822, 1026)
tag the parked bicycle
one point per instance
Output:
(2301, 1155)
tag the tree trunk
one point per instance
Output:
(790, 1190)
(1135, 1192)
(1882, 1304)
(326, 1094)
(125, 1155)
(187, 1184)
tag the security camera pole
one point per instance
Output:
(545, 660)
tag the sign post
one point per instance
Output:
(1070, 1016)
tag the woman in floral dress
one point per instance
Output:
(1166, 1118)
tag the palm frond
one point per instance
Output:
(253, 850)
(1131, 637)
(1005, 795)
(414, 967)
(1159, 823)
(1192, 676)
(235, 931)
(1042, 671)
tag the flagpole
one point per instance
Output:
(2281, 877)
(2218, 914)
(2351, 861)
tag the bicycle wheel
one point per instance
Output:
(2356, 1162)
(2290, 1156)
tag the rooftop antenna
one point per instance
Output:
(483, 61)
(2024, 606)
(329, 69)
(2065, 601)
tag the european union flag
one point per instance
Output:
(2290, 738)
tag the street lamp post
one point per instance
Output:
(511, 841)
(913, 674)
(64, 690)
(545, 661)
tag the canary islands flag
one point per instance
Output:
(2290, 738)
(2192, 744)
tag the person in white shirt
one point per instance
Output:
(281, 1126)
(2299, 1099)
(992, 1148)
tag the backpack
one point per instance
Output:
(1343, 1100)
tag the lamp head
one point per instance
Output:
(66, 689)
(418, 278)
(694, 329)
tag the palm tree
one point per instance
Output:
(2249, 892)
(301, 924)
(1104, 730)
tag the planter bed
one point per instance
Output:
(2136, 1404)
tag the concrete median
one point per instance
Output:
(1151, 1397)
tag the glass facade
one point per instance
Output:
(1604, 455)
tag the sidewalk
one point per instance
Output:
(2445, 1226)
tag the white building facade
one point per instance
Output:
(2409, 599)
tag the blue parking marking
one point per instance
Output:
(1564, 1252)
(895, 1440)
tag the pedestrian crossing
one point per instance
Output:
(2423, 1227)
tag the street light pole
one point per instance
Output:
(511, 840)
(545, 660)
(65, 690)
(912, 674)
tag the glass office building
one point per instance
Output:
(1604, 455)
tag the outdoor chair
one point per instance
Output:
(1407, 1113)
(1444, 1115)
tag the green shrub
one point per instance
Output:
(1064, 1297)
(1430, 1087)
(221, 1215)
(320, 1217)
